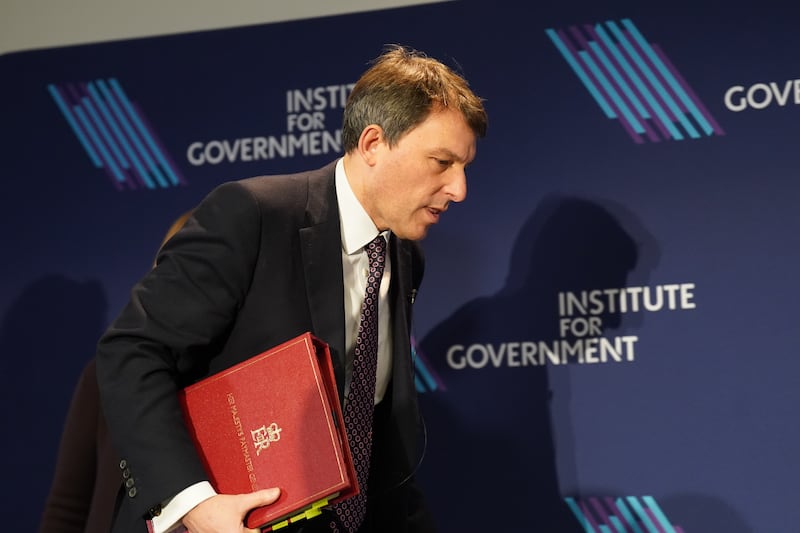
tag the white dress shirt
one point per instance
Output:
(358, 230)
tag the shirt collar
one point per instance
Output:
(356, 226)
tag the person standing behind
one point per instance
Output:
(264, 259)
(85, 481)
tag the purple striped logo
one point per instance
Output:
(634, 82)
(115, 134)
(425, 377)
(627, 514)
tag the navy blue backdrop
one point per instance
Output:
(604, 333)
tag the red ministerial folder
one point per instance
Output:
(274, 420)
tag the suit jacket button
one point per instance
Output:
(129, 483)
(132, 492)
(126, 473)
(122, 464)
(155, 510)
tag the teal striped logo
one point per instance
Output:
(425, 377)
(115, 135)
(627, 514)
(634, 82)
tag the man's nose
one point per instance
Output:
(456, 187)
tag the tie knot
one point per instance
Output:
(376, 250)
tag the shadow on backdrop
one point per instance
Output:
(491, 441)
(48, 334)
(702, 512)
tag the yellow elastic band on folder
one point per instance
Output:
(314, 510)
(278, 525)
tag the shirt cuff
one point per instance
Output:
(175, 509)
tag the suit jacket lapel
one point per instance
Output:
(404, 400)
(322, 247)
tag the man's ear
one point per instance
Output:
(369, 142)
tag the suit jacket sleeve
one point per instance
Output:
(178, 315)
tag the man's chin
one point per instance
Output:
(417, 234)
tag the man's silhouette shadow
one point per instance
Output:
(48, 334)
(490, 438)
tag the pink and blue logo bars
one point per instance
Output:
(634, 82)
(115, 134)
(621, 515)
(425, 377)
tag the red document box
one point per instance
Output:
(275, 421)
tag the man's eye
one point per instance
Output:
(443, 162)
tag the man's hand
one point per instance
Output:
(224, 513)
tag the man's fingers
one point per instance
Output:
(258, 499)
(266, 496)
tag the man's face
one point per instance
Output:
(415, 181)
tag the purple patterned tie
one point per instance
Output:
(360, 400)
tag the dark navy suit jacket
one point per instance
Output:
(258, 263)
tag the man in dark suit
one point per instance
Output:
(264, 259)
